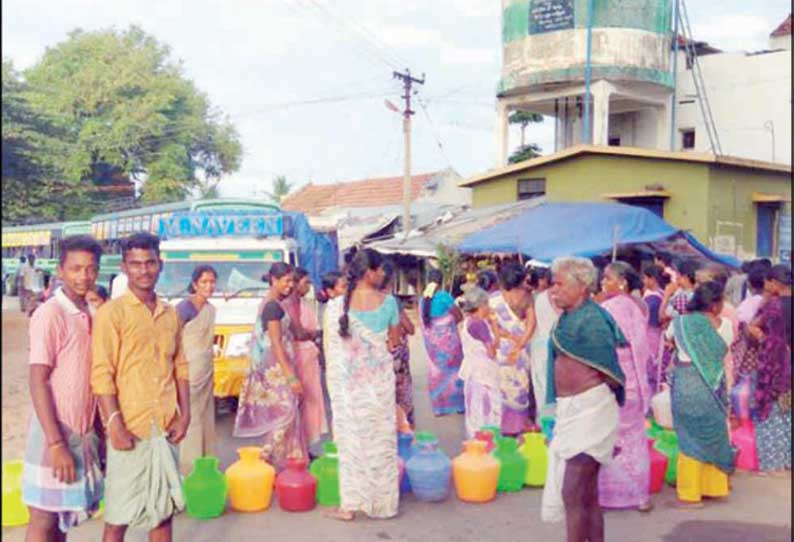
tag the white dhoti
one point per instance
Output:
(586, 423)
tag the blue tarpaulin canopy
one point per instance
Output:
(551, 230)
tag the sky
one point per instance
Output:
(305, 81)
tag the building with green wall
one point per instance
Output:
(733, 205)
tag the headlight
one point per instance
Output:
(239, 345)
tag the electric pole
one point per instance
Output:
(407, 82)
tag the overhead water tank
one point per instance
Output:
(544, 42)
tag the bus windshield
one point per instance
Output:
(233, 276)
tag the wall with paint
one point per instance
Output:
(714, 202)
(750, 97)
(544, 41)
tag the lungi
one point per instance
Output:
(73, 502)
(142, 486)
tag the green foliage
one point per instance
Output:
(448, 263)
(525, 152)
(32, 146)
(112, 105)
(281, 188)
(524, 119)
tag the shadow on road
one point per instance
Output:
(726, 531)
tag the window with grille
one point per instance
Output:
(688, 139)
(531, 188)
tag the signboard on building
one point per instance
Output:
(724, 244)
(26, 238)
(550, 15)
(784, 236)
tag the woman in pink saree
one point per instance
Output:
(307, 364)
(654, 282)
(625, 482)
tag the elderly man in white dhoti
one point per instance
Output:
(587, 385)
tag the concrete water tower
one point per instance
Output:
(548, 48)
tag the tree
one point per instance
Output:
(126, 108)
(525, 152)
(281, 188)
(32, 145)
(524, 118)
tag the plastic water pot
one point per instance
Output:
(743, 438)
(326, 470)
(429, 471)
(205, 489)
(487, 438)
(535, 451)
(658, 468)
(667, 443)
(405, 451)
(296, 488)
(15, 513)
(475, 473)
(250, 481)
(513, 465)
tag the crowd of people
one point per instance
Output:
(588, 345)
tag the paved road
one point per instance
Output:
(758, 510)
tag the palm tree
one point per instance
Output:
(281, 188)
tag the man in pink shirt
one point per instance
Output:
(62, 481)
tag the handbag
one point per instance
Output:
(662, 408)
(661, 402)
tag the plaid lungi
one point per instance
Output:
(73, 502)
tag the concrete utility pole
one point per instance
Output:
(407, 82)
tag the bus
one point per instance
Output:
(239, 238)
(41, 240)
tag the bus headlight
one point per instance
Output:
(239, 345)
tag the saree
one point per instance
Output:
(444, 355)
(768, 366)
(625, 482)
(480, 376)
(360, 377)
(404, 393)
(515, 377)
(699, 395)
(545, 316)
(267, 407)
(653, 299)
(307, 369)
(197, 341)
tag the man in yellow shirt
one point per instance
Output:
(141, 378)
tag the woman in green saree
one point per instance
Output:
(699, 398)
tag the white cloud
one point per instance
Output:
(734, 32)
(406, 36)
(451, 54)
(476, 8)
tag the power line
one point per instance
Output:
(372, 53)
(433, 131)
(384, 53)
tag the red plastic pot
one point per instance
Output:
(296, 488)
(487, 437)
(658, 468)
